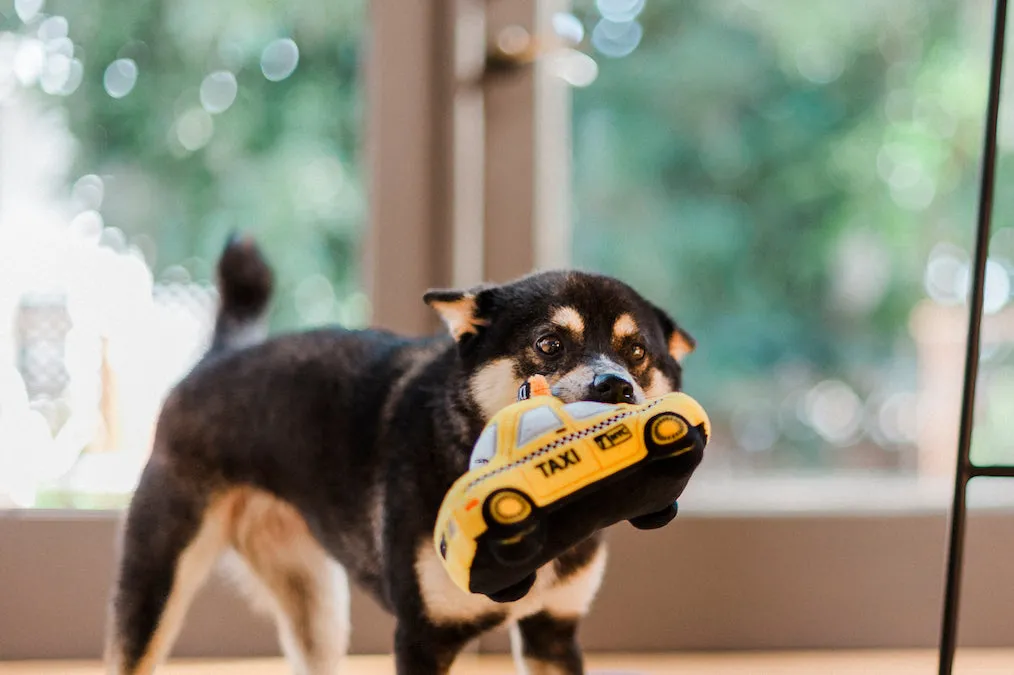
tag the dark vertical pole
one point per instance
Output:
(948, 638)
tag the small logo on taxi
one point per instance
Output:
(613, 437)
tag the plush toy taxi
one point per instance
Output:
(545, 475)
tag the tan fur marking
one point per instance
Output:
(495, 386)
(192, 570)
(288, 573)
(459, 315)
(679, 346)
(283, 569)
(659, 384)
(444, 602)
(572, 598)
(624, 326)
(569, 319)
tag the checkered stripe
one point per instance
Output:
(563, 440)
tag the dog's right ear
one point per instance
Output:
(459, 310)
(680, 342)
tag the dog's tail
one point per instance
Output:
(245, 284)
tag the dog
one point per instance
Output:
(321, 457)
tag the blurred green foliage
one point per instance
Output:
(283, 162)
(776, 173)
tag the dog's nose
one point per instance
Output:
(611, 389)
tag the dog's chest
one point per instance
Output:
(444, 602)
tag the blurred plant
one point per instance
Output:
(201, 118)
(777, 176)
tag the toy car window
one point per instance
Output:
(584, 409)
(484, 448)
(535, 423)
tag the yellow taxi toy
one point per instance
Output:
(544, 475)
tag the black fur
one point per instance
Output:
(154, 543)
(552, 640)
(245, 283)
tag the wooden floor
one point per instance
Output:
(970, 662)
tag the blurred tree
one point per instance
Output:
(775, 173)
(282, 161)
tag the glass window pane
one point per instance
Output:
(133, 139)
(798, 188)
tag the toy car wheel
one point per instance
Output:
(519, 548)
(508, 510)
(668, 434)
(515, 535)
(653, 521)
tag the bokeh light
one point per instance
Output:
(120, 77)
(218, 91)
(834, 411)
(946, 274)
(194, 129)
(279, 59)
(29, 61)
(53, 28)
(615, 39)
(568, 27)
(574, 67)
(56, 74)
(820, 62)
(88, 191)
(27, 10)
(620, 11)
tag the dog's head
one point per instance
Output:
(593, 337)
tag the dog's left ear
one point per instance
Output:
(680, 342)
(459, 310)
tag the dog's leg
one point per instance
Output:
(544, 644)
(421, 648)
(305, 589)
(436, 619)
(170, 544)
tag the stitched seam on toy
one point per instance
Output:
(573, 436)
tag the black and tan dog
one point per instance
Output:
(319, 456)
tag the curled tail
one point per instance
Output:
(245, 284)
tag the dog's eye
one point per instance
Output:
(637, 351)
(549, 345)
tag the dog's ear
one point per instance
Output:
(460, 310)
(679, 341)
